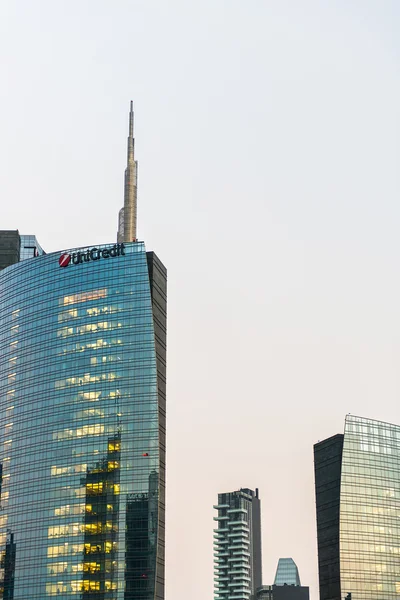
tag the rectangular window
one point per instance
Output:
(56, 568)
(64, 549)
(91, 567)
(67, 314)
(64, 530)
(84, 297)
(93, 489)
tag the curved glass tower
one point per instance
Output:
(82, 425)
(357, 478)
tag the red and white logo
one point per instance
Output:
(64, 260)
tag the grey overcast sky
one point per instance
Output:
(267, 134)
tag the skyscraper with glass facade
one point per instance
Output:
(287, 584)
(357, 480)
(287, 572)
(82, 423)
(15, 247)
(237, 545)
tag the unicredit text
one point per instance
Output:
(97, 253)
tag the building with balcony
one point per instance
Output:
(237, 545)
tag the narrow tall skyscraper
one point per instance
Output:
(357, 481)
(128, 214)
(237, 545)
(82, 419)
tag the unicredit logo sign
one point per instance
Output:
(92, 254)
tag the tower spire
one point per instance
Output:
(127, 214)
(131, 120)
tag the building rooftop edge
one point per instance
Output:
(368, 419)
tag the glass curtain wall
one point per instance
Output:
(80, 465)
(370, 510)
(287, 572)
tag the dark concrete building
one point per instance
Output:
(283, 592)
(328, 469)
(9, 248)
(290, 592)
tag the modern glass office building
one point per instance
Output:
(30, 247)
(82, 425)
(237, 545)
(15, 247)
(357, 479)
(287, 572)
(287, 584)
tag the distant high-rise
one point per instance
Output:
(237, 545)
(357, 481)
(283, 592)
(287, 584)
(287, 572)
(15, 247)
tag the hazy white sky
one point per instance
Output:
(267, 134)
